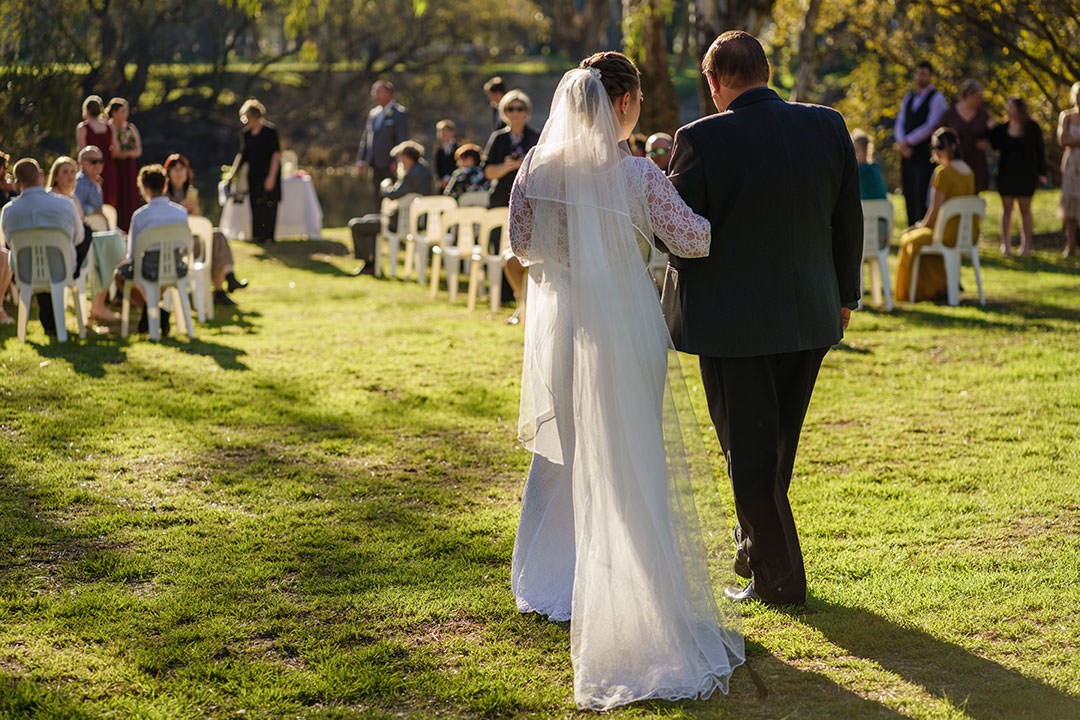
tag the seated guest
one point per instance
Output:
(871, 181)
(658, 149)
(7, 189)
(34, 209)
(108, 251)
(181, 191)
(5, 283)
(61, 182)
(952, 178)
(443, 157)
(469, 176)
(416, 177)
(157, 211)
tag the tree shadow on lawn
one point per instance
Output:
(233, 317)
(929, 317)
(1031, 263)
(226, 357)
(981, 688)
(301, 254)
(87, 357)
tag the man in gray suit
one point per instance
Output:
(387, 127)
(780, 185)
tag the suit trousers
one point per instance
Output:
(757, 405)
(915, 175)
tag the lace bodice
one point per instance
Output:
(685, 233)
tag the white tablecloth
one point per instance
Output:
(299, 213)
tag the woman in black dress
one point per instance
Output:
(1021, 165)
(503, 155)
(260, 148)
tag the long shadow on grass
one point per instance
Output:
(299, 255)
(87, 357)
(929, 317)
(226, 357)
(1032, 263)
(982, 688)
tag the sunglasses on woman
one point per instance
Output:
(516, 108)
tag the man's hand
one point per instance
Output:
(845, 317)
(270, 182)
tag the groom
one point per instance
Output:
(780, 185)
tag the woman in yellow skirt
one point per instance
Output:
(952, 178)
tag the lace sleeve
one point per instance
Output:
(685, 233)
(521, 220)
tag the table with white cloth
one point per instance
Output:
(299, 213)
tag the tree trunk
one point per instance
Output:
(660, 111)
(712, 17)
(807, 54)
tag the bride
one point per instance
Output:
(609, 535)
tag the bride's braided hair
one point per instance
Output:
(617, 72)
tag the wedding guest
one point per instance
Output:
(5, 283)
(416, 177)
(658, 149)
(95, 130)
(61, 183)
(158, 210)
(387, 127)
(637, 141)
(35, 208)
(7, 188)
(972, 124)
(495, 88)
(871, 182)
(443, 160)
(1021, 165)
(182, 191)
(952, 178)
(108, 251)
(128, 150)
(469, 177)
(1068, 135)
(505, 150)
(919, 114)
(260, 149)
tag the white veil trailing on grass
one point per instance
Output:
(645, 622)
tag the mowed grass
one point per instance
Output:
(309, 511)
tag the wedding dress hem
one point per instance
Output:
(611, 696)
(554, 614)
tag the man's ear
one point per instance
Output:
(714, 85)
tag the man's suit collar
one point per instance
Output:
(752, 96)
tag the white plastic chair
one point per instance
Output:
(874, 252)
(110, 214)
(476, 198)
(392, 238)
(167, 238)
(967, 208)
(201, 290)
(657, 265)
(418, 243)
(31, 269)
(97, 222)
(494, 218)
(454, 254)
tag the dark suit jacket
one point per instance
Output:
(416, 180)
(382, 132)
(780, 185)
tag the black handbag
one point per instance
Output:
(150, 263)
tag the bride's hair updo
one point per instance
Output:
(617, 72)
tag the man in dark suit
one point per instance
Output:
(780, 185)
(387, 127)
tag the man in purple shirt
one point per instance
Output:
(919, 115)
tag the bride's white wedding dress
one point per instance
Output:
(609, 536)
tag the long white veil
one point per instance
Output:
(602, 389)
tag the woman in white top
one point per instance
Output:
(609, 535)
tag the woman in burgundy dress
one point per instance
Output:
(93, 130)
(129, 148)
(972, 124)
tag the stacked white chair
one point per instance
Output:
(875, 252)
(33, 273)
(201, 285)
(966, 208)
(494, 219)
(392, 238)
(418, 243)
(168, 238)
(456, 253)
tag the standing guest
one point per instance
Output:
(503, 155)
(918, 116)
(658, 149)
(469, 177)
(108, 250)
(35, 208)
(95, 130)
(182, 191)
(972, 125)
(416, 177)
(260, 149)
(129, 149)
(1069, 138)
(495, 88)
(1021, 164)
(7, 188)
(443, 160)
(871, 182)
(952, 178)
(637, 141)
(387, 127)
(157, 211)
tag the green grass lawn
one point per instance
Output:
(309, 511)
